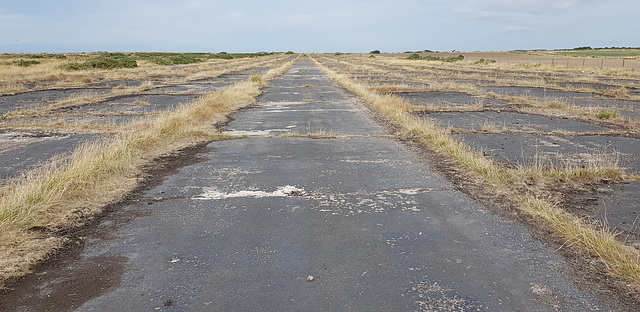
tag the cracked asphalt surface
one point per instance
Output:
(355, 222)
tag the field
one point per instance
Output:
(549, 140)
(568, 59)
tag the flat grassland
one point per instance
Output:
(549, 138)
(577, 59)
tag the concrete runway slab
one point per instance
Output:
(244, 229)
(299, 224)
(21, 151)
(190, 88)
(617, 207)
(152, 103)
(42, 98)
(523, 149)
(533, 91)
(510, 121)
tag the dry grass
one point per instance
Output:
(392, 88)
(62, 127)
(622, 260)
(210, 69)
(515, 74)
(591, 167)
(76, 100)
(47, 68)
(63, 194)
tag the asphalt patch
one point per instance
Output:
(533, 92)
(42, 98)
(22, 151)
(503, 120)
(117, 83)
(138, 104)
(190, 88)
(558, 151)
(70, 277)
(374, 229)
(614, 206)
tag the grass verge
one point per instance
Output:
(621, 260)
(35, 211)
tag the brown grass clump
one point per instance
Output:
(392, 88)
(46, 68)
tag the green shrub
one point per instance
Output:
(416, 56)
(45, 55)
(105, 61)
(454, 58)
(24, 63)
(483, 61)
(375, 52)
(289, 52)
(607, 115)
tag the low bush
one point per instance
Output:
(483, 61)
(105, 61)
(607, 115)
(416, 56)
(24, 63)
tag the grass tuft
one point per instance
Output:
(607, 115)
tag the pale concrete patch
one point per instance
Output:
(284, 191)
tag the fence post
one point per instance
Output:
(623, 63)
(602, 62)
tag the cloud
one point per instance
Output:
(522, 15)
(313, 26)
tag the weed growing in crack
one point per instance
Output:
(607, 115)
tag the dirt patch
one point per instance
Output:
(67, 279)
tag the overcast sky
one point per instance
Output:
(315, 26)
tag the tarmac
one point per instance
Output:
(354, 221)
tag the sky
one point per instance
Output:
(357, 26)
